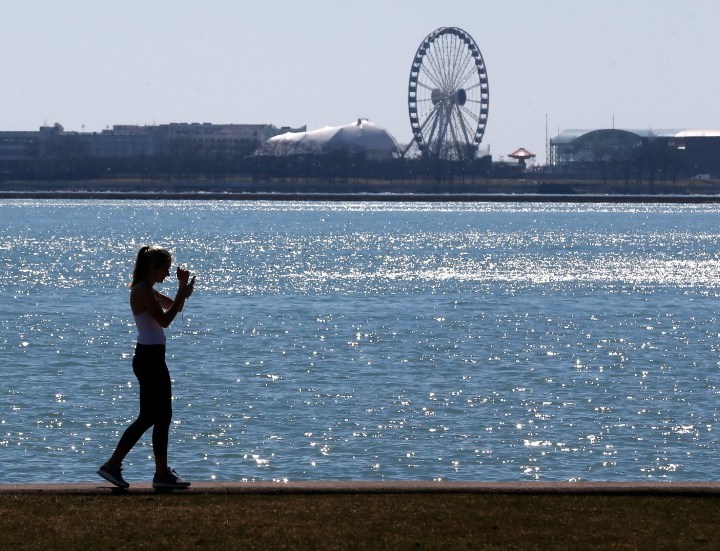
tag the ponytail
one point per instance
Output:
(147, 258)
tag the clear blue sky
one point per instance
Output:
(91, 63)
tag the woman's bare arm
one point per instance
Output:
(164, 300)
(144, 298)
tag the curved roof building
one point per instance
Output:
(361, 135)
(691, 151)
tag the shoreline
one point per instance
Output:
(604, 488)
(356, 190)
(361, 197)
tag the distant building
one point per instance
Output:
(360, 136)
(17, 146)
(131, 141)
(215, 140)
(679, 152)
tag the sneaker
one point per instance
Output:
(169, 480)
(113, 474)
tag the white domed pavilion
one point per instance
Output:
(359, 136)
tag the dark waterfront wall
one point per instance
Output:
(468, 188)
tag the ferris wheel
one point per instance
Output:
(448, 95)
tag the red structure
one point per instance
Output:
(522, 155)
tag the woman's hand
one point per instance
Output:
(183, 275)
(186, 287)
(189, 288)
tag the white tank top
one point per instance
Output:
(149, 331)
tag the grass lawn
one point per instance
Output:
(358, 521)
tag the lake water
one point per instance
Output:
(369, 341)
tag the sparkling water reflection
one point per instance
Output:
(370, 340)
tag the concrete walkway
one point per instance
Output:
(390, 487)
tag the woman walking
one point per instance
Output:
(153, 312)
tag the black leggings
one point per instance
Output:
(155, 399)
